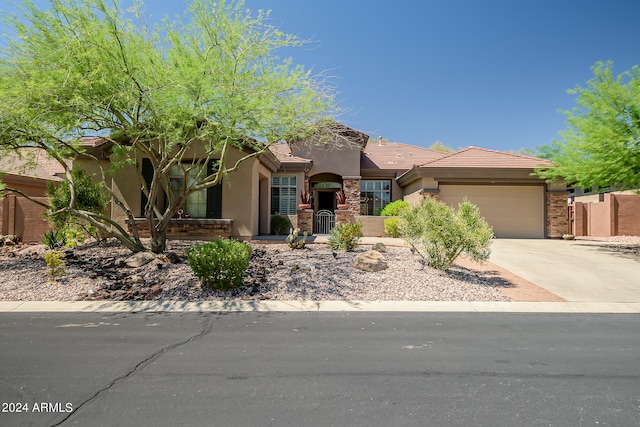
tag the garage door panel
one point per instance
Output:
(512, 211)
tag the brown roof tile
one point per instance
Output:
(33, 163)
(396, 156)
(475, 157)
(283, 153)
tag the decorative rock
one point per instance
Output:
(304, 266)
(139, 259)
(379, 246)
(370, 261)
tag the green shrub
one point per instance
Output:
(90, 196)
(395, 208)
(220, 264)
(280, 225)
(345, 236)
(54, 239)
(439, 234)
(391, 226)
(55, 264)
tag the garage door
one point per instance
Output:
(512, 211)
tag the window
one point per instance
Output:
(202, 204)
(374, 196)
(283, 195)
(196, 203)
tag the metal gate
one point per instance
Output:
(325, 219)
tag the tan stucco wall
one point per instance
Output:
(412, 192)
(344, 161)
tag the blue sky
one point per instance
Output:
(491, 73)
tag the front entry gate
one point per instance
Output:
(324, 221)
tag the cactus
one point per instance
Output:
(292, 239)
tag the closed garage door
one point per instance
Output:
(512, 211)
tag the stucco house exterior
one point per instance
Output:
(371, 174)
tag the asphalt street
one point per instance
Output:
(320, 369)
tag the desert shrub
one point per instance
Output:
(345, 236)
(293, 241)
(54, 239)
(395, 208)
(89, 197)
(391, 226)
(280, 225)
(55, 264)
(220, 264)
(439, 234)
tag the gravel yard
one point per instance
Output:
(96, 271)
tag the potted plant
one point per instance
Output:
(341, 198)
(305, 200)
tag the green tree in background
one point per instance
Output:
(601, 145)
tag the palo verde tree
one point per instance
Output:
(601, 145)
(211, 80)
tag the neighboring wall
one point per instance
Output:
(617, 215)
(21, 217)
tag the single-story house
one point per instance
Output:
(371, 174)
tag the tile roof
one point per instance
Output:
(283, 153)
(33, 163)
(475, 157)
(396, 156)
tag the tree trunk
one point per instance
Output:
(158, 233)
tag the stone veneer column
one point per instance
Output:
(305, 220)
(557, 222)
(344, 217)
(351, 185)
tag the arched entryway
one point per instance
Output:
(323, 188)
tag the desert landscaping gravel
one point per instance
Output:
(96, 271)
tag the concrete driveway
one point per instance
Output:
(574, 270)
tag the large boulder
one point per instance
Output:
(370, 261)
(139, 259)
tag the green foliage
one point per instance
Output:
(280, 224)
(345, 237)
(54, 239)
(391, 226)
(89, 196)
(601, 145)
(292, 239)
(220, 264)
(395, 208)
(439, 146)
(55, 264)
(439, 234)
(210, 78)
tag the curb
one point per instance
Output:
(316, 306)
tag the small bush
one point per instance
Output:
(220, 264)
(54, 239)
(292, 239)
(55, 264)
(439, 234)
(345, 236)
(391, 226)
(395, 208)
(280, 225)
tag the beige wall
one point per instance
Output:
(21, 217)
(412, 192)
(343, 161)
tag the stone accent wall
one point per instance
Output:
(344, 217)
(557, 214)
(351, 187)
(191, 227)
(428, 192)
(305, 220)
